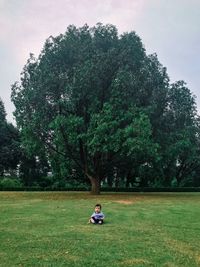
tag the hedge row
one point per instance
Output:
(108, 189)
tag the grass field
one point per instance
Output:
(50, 229)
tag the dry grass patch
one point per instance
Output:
(169, 264)
(135, 261)
(125, 201)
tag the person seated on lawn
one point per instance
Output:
(97, 217)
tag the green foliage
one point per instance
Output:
(33, 170)
(93, 101)
(2, 112)
(10, 151)
(180, 135)
(10, 183)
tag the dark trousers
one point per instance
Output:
(97, 221)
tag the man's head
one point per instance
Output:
(97, 208)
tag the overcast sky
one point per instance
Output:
(170, 28)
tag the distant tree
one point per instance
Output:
(2, 112)
(180, 141)
(33, 170)
(9, 144)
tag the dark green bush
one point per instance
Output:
(9, 183)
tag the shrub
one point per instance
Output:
(10, 183)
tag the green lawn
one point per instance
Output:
(50, 229)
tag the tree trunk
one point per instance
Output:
(95, 189)
(95, 183)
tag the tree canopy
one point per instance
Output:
(94, 100)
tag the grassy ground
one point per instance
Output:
(50, 229)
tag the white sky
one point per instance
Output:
(170, 28)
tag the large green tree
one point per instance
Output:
(81, 99)
(94, 100)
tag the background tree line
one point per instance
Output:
(95, 109)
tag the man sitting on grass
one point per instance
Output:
(97, 217)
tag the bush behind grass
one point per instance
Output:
(10, 183)
(50, 229)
